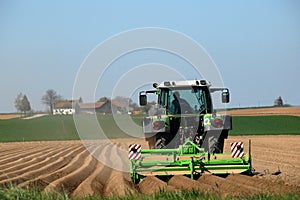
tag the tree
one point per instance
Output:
(103, 99)
(25, 105)
(134, 106)
(18, 102)
(125, 100)
(77, 108)
(147, 107)
(50, 98)
(22, 104)
(278, 101)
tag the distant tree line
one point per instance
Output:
(50, 98)
(22, 104)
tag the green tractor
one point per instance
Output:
(185, 134)
(185, 110)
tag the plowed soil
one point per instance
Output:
(293, 111)
(76, 169)
(9, 116)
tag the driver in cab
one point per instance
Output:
(179, 105)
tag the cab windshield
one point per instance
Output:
(187, 100)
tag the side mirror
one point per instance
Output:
(143, 100)
(225, 96)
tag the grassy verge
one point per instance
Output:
(13, 193)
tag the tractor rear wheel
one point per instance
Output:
(161, 142)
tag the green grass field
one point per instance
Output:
(63, 127)
(265, 125)
(43, 128)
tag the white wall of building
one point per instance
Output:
(64, 111)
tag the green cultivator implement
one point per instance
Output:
(188, 159)
(185, 134)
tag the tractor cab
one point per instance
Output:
(182, 109)
(185, 100)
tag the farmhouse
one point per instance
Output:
(65, 107)
(74, 106)
(90, 108)
(103, 107)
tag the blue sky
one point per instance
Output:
(255, 44)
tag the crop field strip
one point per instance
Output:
(70, 166)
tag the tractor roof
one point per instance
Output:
(186, 83)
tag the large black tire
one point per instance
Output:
(161, 142)
(213, 141)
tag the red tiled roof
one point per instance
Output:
(68, 104)
(117, 103)
(64, 104)
(92, 105)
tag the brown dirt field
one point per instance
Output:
(69, 166)
(293, 111)
(9, 116)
